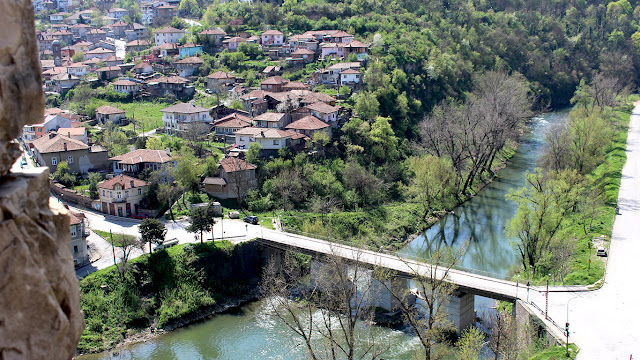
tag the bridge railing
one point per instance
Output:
(387, 252)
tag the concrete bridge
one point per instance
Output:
(461, 304)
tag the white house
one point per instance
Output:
(269, 139)
(350, 77)
(272, 38)
(178, 117)
(78, 69)
(118, 13)
(51, 122)
(168, 35)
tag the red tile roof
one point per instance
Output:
(234, 120)
(44, 144)
(272, 32)
(106, 109)
(212, 32)
(184, 108)
(169, 29)
(308, 123)
(269, 116)
(221, 75)
(232, 164)
(127, 182)
(274, 80)
(322, 107)
(143, 156)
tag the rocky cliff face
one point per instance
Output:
(40, 315)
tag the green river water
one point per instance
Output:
(250, 332)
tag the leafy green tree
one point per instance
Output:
(189, 8)
(470, 344)
(152, 231)
(253, 154)
(188, 175)
(63, 174)
(200, 220)
(367, 106)
(78, 57)
(432, 185)
(385, 142)
(94, 180)
(542, 206)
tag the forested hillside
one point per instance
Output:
(426, 51)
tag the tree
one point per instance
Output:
(63, 174)
(432, 183)
(78, 57)
(200, 220)
(470, 344)
(169, 194)
(324, 315)
(428, 318)
(152, 231)
(542, 205)
(367, 106)
(253, 154)
(187, 175)
(94, 179)
(126, 244)
(509, 339)
(189, 8)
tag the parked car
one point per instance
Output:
(234, 215)
(601, 251)
(251, 220)
(209, 91)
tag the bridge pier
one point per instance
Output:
(382, 294)
(273, 256)
(461, 312)
(326, 275)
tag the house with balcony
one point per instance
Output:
(79, 234)
(271, 120)
(62, 83)
(118, 13)
(177, 118)
(136, 32)
(121, 195)
(350, 77)
(125, 86)
(133, 162)
(52, 122)
(272, 38)
(170, 85)
(270, 140)
(273, 84)
(78, 69)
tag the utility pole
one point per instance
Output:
(113, 249)
(567, 330)
(546, 307)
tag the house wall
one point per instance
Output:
(119, 198)
(162, 38)
(81, 160)
(79, 247)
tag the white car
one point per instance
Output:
(601, 251)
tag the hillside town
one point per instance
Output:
(294, 99)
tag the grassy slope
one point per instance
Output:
(160, 289)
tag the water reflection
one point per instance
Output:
(481, 220)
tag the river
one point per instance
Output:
(251, 333)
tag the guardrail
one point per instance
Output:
(401, 256)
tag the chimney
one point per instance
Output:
(52, 135)
(193, 103)
(131, 183)
(168, 151)
(65, 146)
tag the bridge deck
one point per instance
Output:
(467, 282)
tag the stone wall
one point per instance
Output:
(39, 295)
(70, 195)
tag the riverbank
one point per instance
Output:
(166, 290)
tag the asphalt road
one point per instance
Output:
(229, 229)
(605, 323)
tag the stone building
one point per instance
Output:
(79, 234)
(53, 149)
(235, 176)
(121, 195)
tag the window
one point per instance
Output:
(73, 231)
(102, 192)
(54, 161)
(140, 191)
(75, 249)
(119, 195)
(275, 142)
(241, 138)
(126, 193)
(70, 158)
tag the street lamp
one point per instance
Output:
(567, 324)
(517, 285)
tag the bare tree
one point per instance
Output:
(562, 253)
(427, 317)
(509, 339)
(331, 312)
(126, 244)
